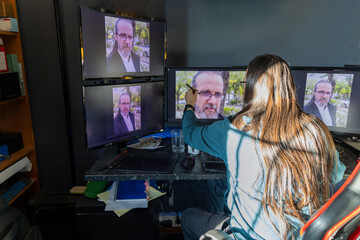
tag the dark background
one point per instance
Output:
(200, 33)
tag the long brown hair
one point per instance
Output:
(297, 148)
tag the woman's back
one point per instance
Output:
(280, 160)
(296, 150)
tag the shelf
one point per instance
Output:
(15, 157)
(12, 100)
(16, 117)
(33, 180)
(8, 33)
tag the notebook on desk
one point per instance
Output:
(155, 161)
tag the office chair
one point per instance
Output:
(338, 219)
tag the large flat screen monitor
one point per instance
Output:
(331, 94)
(220, 92)
(116, 47)
(118, 113)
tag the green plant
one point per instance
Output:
(180, 106)
(137, 50)
(335, 102)
(144, 68)
(341, 119)
(230, 111)
(233, 102)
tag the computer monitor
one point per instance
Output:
(121, 112)
(115, 47)
(220, 92)
(331, 94)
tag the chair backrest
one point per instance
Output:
(340, 216)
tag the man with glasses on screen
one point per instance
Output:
(124, 121)
(122, 58)
(320, 105)
(210, 86)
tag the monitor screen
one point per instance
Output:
(114, 46)
(220, 92)
(331, 95)
(117, 113)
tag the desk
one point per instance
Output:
(99, 171)
(348, 154)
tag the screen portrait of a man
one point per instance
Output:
(320, 105)
(210, 86)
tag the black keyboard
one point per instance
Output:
(211, 158)
(213, 164)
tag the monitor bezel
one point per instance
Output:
(334, 130)
(121, 142)
(177, 122)
(136, 76)
(346, 131)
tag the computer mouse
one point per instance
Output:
(187, 162)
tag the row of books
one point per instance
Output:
(12, 180)
(126, 195)
(11, 187)
(9, 63)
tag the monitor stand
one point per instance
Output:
(120, 146)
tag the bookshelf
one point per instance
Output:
(16, 117)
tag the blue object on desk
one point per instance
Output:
(163, 134)
(4, 152)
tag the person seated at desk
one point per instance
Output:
(281, 161)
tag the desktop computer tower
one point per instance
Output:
(54, 213)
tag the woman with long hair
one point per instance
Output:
(281, 161)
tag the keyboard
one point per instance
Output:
(211, 158)
(213, 164)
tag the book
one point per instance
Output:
(12, 62)
(111, 205)
(131, 190)
(23, 165)
(3, 62)
(20, 183)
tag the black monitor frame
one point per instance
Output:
(93, 48)
(351, 129)
(101, 111)
(171, 120)
(300, 82)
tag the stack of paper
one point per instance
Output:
(147, 143)
(23, 165)
(121, 205)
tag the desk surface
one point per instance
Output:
(348, 155)
(100, 171)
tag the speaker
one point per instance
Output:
(9, 85)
